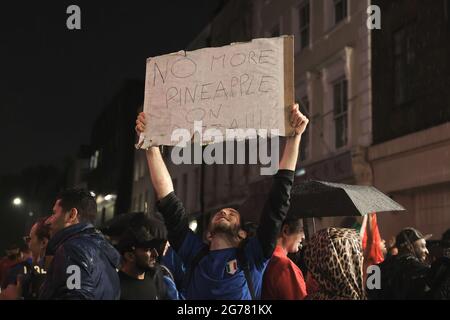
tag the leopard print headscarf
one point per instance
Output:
(335, 259)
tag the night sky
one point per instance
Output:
(55, 81)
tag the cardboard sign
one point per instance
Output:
(239, 86)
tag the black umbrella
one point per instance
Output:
(117, 225)
(120, 223)
(312, 199)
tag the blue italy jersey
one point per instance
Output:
(218, 274)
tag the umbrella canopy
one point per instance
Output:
(325, 199)
(117, 225)
(120, 223)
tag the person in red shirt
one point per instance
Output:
(283, 280)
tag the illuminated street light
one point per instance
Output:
(99, 199)
(110, 197)
(17, 202)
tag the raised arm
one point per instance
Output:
(290, 155)
(169, 205)
(161, 180)
(277, 205)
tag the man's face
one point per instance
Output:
(145, 258)
(226, 220)
(58, 220)
(420, 247)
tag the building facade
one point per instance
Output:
(377, 101)
(411, 131)
(111, 162)
(332, 83)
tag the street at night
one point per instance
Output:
(230, 150)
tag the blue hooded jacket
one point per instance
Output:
(84, 265)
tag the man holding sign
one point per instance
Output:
(228, 267)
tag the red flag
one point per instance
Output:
(372, 242)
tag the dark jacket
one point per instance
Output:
(439, 279)
(403, 277)
(81, 247)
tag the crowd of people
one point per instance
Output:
(158, 257)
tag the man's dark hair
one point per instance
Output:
(294, 225)
(80, 199)
(42, 229)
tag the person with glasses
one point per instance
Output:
(25, 279)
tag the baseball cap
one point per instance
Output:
(409, 235)
(138, 238)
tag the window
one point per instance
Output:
(403, 65)
(304, 12)
(304, 145)
(340, 10)
(94, 160)
(340, 112)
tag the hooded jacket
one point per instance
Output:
(335, 259)
(84, 265)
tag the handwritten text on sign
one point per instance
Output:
(238, 86)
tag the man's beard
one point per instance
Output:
(145, 266)
(222, 228)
